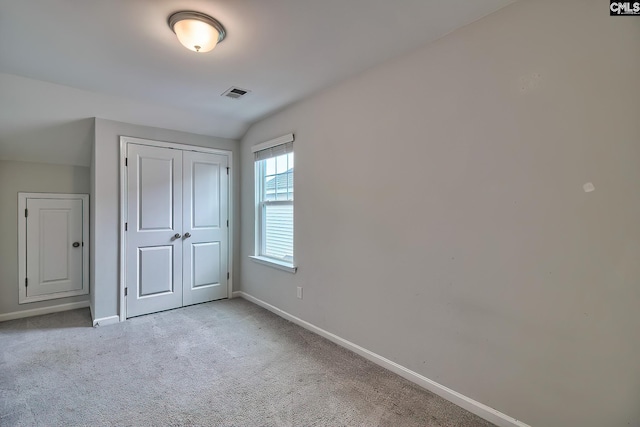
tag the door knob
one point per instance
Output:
(177, 236)
(75, 244)
(187, 235)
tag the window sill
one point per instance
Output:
(280, 265)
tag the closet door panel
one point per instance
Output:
(154, 229)
(205, 226)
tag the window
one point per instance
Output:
(274, 203)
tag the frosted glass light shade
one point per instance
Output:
(196, 31)
(196, 35)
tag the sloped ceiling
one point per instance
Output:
(62, 61)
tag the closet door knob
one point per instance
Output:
(177, 236)
(187, 235)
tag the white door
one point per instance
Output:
(154, 228)
(177, 235)
(205, 227)
(54, 246)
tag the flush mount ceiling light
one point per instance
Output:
(196, 31)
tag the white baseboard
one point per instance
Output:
(475, 407)
(44, 310)
(237, 294)
(104, 321)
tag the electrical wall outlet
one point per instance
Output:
(300, 292)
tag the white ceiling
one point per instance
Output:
(122, 51)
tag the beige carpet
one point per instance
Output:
(226, 363)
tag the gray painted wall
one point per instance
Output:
(105, 212)
(441, 221)
(37, 178)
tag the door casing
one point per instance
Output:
(22, 245)
(124, 141)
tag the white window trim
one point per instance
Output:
(272, 262)
(259, 228)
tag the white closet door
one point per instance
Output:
(54, 247)
(154, 229)
(205, 226)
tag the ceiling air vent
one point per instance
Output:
(235, 93)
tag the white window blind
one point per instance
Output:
(276, 151)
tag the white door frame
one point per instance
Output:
(22, 245)
(124, 141)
